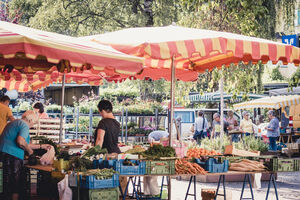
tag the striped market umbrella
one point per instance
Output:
(274, 102)
(194, 49)
(41, 79)
(30, 50)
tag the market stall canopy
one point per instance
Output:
(274, 102)
(30, 50)
(215, 97)
(285, 91)
(194, 49)
(41, 79)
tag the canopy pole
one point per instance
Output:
(172, 100)
(62, 107)
(221, 83)
(172, 116)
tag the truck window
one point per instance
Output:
(186, 116)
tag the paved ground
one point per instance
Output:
(288, 185)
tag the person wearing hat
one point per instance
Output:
(200, 127)
(233, 125)
(246, 126)
(272, 130)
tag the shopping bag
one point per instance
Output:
(47, 158)
(65, 192)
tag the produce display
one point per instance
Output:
(246, 165)
(183, 166)
(198, 152)
(158, 151)
(80, 164)
(94, 151)
(100, 174)
(136, 150)
(250, 143)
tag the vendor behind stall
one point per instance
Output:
(39, 109)
(150, 183)
(108, 130)
(13, 142)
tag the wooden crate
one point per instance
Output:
(49, 128)
(231, 150)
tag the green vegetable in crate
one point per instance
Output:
(93, 151)
(100, 174)
(127, 162)
(136, 150)
(157, 151)
(80, 164)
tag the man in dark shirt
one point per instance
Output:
(107, 132)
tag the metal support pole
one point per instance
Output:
(77, 121)
(122, 122)
(91, 124)
(156, 119)
(126, 130)
(62, 108)
(172, 101)
(222, 109)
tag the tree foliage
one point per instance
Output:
(86, 17)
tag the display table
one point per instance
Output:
(222, 181)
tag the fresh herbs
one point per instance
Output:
(100, 174)
(80, 164)
(93, 151)
(157, 151)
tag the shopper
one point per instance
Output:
(155, 136)
(272, 130)
(108, 130)
(233, 125)
(201, 126)
(13, 142)
(5, 114)
(217, 125)
(246, 126)
(39, 109)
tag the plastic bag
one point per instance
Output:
(47, 158)
(65, 192)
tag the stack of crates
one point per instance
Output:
(283, 165)
(161, 167)
(139, 167)
(90, 188)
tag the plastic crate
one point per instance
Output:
(96, 194)
(61, 164)
(101, 164)
(90, 182)
(213, 166)
(163, 167)
(139, 169)
(284, 165)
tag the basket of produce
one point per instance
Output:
(130, 167)
(57, 175)
(208, 194)
(183, 166)
(96, 179)
(61, 164)
(212, 165)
